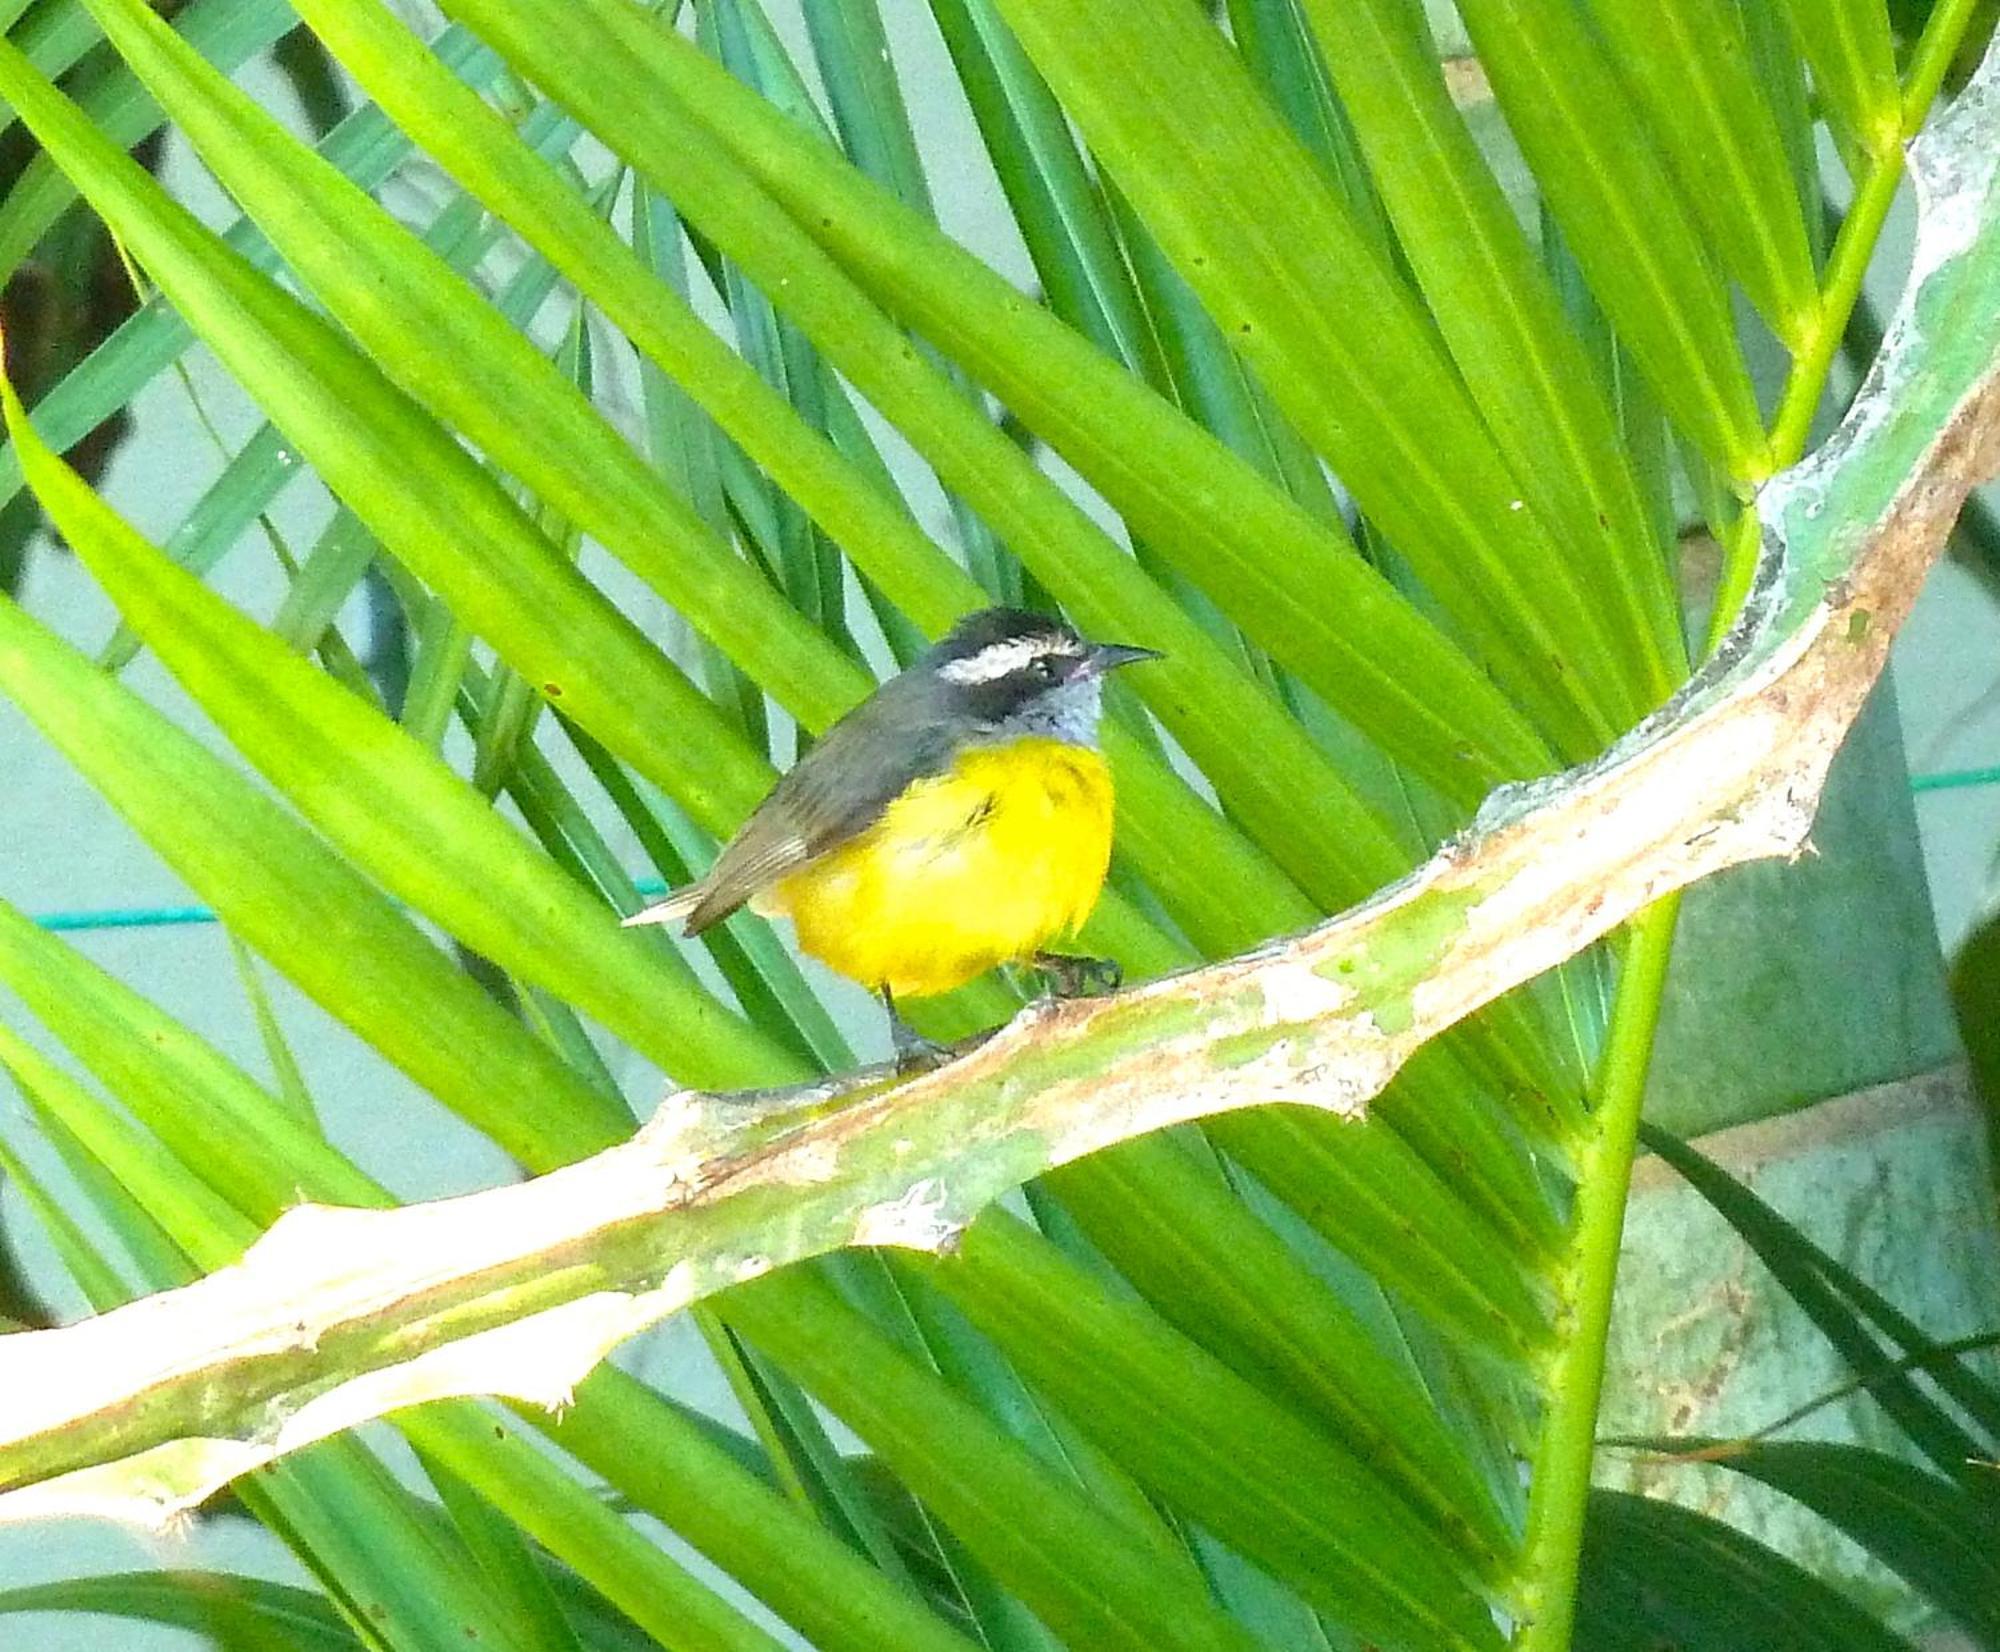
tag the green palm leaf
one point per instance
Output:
(1302, 402)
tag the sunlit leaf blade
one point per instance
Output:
(1688, 63)
(1603, 179)
(364, 146)
(229, 32)
(89, 1269)
(144, 1250)
(454, 354)
(292, 1618)
(637, 1442)
(282, 890)
(1055, 200)
(1654, 1573)
(1499, 316)
(803, 1458)
(421, 494)
(1276, 41)
(152, 1064)
(391, 806)
(1853, 59)
(1086, 1576)
(1372, 1198)
(1936, 1534)
(852, 51)
(1214, 1447)
(506, 1562)
(54, 34)
(1091, 576)
(1248, 219)
(740, 34)
(1226, 1280)
(1235, 905)
(1216, 387)
(895, 1293)
(570, 1520)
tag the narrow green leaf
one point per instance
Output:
(244, 1137)
(1653, 1573)
(281, 889)
(894, 1292)
(1622, 213)
(457, 357)
(739, 34)
(291, 1080)
(1199, 695)
(1853, 58)
(1249, 219)
(1224, 1279)
(54, 1100)
(92, 1272)
(1688, 63)
(1814, 1281)
(391, 806)
(1501, 319)
(568, 1517)
(1934, 1533)
(1216, 1448)
(670, 1468)
(570, 1520)
(1373, 1199)
(55, 37)
(1275, 41)
(506, 1562)
(291, 1618)
(1219, 390)
(364, 146)
(1085, 1575)
(852, 51)
(585, 648)
(1054, 199)
(228, 32)
(1774, 60)
(416, 489)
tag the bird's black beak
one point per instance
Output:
(1106, 657)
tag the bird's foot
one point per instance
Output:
(918, 1054)
(1070, 977)
(914, 1052)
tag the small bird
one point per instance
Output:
(958, 818)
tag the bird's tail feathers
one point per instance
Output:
(678, 905)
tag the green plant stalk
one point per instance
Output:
(1560, 1487)
(1562, 1466)
(1943, 34)
(1853, 250)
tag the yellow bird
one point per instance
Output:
(958, 818)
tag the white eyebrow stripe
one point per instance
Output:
(1001, 659)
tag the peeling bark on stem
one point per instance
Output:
(336, 1316)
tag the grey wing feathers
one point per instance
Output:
(765, 850)
(832, 795)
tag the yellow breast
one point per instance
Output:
(984, 864)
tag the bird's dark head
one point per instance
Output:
(1011, 673)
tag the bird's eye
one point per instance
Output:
(1043, 670)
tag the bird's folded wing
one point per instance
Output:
(833, 795)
